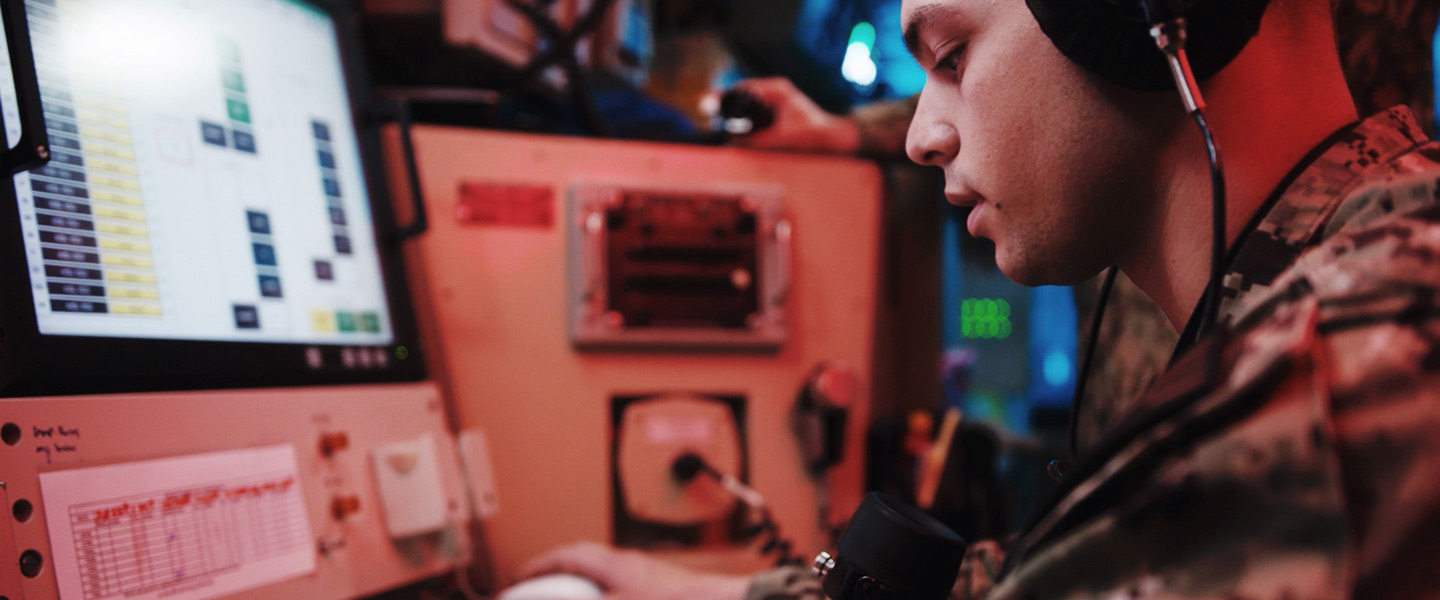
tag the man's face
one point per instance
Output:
(1056, 162)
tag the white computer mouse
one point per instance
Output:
(559, 586)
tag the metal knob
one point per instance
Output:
(330, 443)
(823, 563)
(344, 506)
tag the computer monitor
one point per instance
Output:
(208, 216)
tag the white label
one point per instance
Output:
(184, 528)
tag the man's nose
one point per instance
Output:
(931, 140)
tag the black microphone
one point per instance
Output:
(891, 551)
(741, 113)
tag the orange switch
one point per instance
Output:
(330, 443)
(344, 506)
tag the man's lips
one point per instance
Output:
(967, 198)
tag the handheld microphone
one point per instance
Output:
(891, 551)
(741, 113)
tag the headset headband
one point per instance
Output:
(1115, 42)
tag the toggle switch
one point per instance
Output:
(331, 544)
(344, 506)
(330, 443)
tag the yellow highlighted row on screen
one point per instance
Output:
(94, 133)
(129, 277)
(123, 260)
(90, 117)
(111, 151)
(126, 308)
(121, 229)
(124, 245)
(119, 213)
(115, 182)
(111, 166)
(133, 293)
(116, 198)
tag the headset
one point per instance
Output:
(1113, 38)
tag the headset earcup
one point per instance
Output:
(1116, 44)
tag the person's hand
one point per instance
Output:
(799, 123)
(630, 575)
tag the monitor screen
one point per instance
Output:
(205, 180)
(202, 184)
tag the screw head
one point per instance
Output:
(823, 564)
(741, 279)
(783, 230)
(30, 564)
(594, 222)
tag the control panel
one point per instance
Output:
(604, 308)
(237, 494)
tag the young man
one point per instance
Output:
(1305, 466)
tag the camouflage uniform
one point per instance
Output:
(1385, 49)
(1308, 467)
(1135, 344)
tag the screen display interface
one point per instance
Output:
(205, 180)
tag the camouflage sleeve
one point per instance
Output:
(785, 583)
(883, 126)
(1380, 299)
(977, 573)
(1387, 410)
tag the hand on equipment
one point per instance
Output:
(630, 575)
(799, 124)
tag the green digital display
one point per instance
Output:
(985, 319)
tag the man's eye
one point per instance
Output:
(951, 61)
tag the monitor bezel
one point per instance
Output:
(35, 364)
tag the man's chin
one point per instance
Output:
(1025, 277)
(1029, 272)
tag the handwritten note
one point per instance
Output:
(185, 528)
(57, 447)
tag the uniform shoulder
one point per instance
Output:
(1389, 247)
(1412, 183)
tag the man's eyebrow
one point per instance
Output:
(921, 18)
